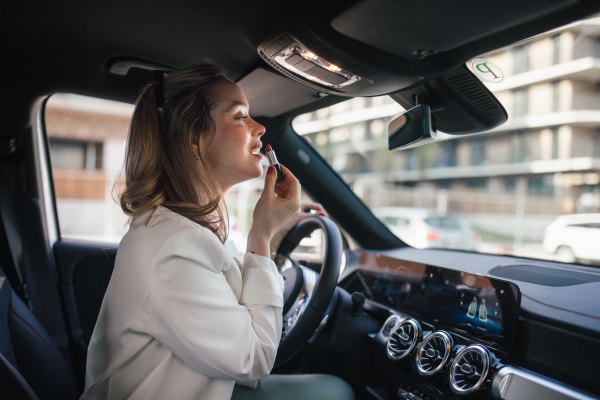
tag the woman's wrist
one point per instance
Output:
(259, 243)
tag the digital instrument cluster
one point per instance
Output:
(483, 307)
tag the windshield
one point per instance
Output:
(496, 192)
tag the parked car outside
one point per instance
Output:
(423, 229)
(574, 237)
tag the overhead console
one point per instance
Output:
(303, 56)
(459, 102)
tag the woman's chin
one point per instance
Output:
(259, 172)
(255, 172)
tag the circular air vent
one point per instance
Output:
(469, 369)
(403, 339)
(433, 353)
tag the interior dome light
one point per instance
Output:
(296, 58)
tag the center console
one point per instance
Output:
(447, 330)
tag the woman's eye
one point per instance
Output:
(242, 118)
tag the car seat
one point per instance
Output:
(31, 366)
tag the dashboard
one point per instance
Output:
(484, 307)
(470, 333)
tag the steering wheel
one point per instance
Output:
(307, 295)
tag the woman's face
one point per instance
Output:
(233, 155)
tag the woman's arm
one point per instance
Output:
(278, 203)
(195, 314)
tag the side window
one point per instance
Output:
(87, 143)
(87, 138)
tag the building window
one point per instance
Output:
(447, 157)
(72, 154)
(555, 96)
(554, 143)
(540, 185)
(521, 59)
(478, 150)
(520, 102)
(510, 185)
(476, 183)
(412, 161)
(445, 184)
(555, 49)
(519, 146)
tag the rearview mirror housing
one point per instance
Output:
(460, 103)
(412, 128)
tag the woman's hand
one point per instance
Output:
(278, 203)
(303, 214)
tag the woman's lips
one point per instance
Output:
(255, 150)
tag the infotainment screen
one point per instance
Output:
(481, 306)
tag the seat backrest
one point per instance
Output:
(29, 349)
(12, 383)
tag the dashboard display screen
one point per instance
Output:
(481, 306)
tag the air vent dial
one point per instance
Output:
(402, 339)
(433, 353)
(469, 369)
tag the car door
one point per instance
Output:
(86, 141)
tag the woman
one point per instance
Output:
(182, 318)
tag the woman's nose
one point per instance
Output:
(259, 130)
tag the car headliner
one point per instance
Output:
(68, 46)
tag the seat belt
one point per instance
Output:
(10, 236)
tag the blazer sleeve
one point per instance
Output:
(195, 314)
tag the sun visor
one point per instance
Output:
(437, 25)
(270, 94)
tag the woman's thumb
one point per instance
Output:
(270, 180)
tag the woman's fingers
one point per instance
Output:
(314, 206)
(281, 192)
(270, 181)
(282, 189)
(292, 182)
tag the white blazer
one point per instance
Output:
(181, 318)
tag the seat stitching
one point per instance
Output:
(16, 379)
(561, 308)
(62, 367)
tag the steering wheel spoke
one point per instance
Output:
(307, 294)
(309, 280)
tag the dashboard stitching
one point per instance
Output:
(561, 308)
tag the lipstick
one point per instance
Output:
(273, 161)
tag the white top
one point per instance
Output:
(181, 318)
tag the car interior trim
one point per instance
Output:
(561, 308)
(511, 383)
(122, 67)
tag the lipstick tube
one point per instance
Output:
(273, 161)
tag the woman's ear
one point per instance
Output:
(195, 152)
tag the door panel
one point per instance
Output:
(84, 270)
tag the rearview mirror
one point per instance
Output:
(411, 129)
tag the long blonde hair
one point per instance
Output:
(165, 172)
